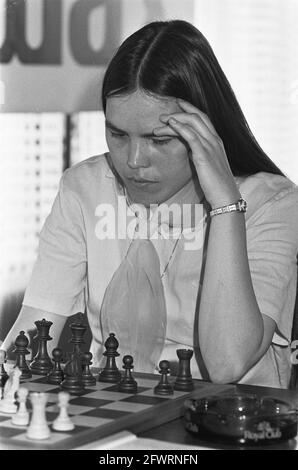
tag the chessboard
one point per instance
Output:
(102, 411)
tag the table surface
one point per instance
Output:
(175, 432)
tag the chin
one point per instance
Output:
(142, 197)
(145, 201)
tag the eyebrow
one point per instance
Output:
(111, 126)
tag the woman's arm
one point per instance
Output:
(233, 333)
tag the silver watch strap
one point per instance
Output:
(240, 206)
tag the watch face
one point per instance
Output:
(242, 205)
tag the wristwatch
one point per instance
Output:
(240, 206)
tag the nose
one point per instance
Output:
(138, 156)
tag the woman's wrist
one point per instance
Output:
(238, 206)
(225, 200)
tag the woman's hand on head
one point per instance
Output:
(206, 150)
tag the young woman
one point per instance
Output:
(177, 139)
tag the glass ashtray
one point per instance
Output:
(241, 419)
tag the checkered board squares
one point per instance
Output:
(99, 412)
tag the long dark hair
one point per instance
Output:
(173, 58)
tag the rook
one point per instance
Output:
(38, 427)
(184, 380)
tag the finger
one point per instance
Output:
(196, 142)
(164, 131)
(192, 120)
(190, 108)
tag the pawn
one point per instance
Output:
(164, 387)
(56, 375)
(128, 383)
(20, 350)
(63, 421)
(87, 377)
(21, 418)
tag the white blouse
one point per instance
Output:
(76, 263)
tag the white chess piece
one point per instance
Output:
(38, 427)
(63, 421)
(21, 418)
(3, 373)
(7, 404)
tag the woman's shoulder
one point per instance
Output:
(92, 166)
(87, 174)
(266, 188)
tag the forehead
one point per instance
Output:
(139, 110)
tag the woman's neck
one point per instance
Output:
(187, 197)
(190, 193)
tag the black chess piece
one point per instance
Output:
(20, 350)
(42, 364)
(72, 382)
(184, 380)
(164, 387)
(128, 384)
(56, 375)
(110, 373)
(87, 377)
(78, 329)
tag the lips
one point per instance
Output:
(142, 180)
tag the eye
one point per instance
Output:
(116, 135)
(162, 141)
